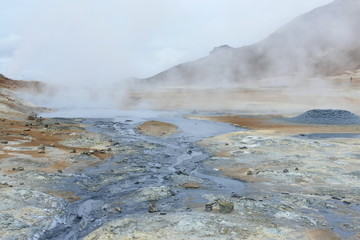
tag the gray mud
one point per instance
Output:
(143, 169)
(325, 116)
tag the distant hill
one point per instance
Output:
(13, 107)
(323, 42)
(9, 83)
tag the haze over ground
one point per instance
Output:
(93, 49)
(101, 41)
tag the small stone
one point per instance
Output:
(91, 152)
(73, 151)
(41, 147)
(249, 173)
(31, 118)
(51, 145)
(102, 151)
(226, 144)
(346, 202)
(285, 170)
(226, 207)
(162, 213)
(4, 142)
(152, 207)
(192, 185)
(243, 147)
(296, 169)
(41, 151)
(27, 130)
(18, 169)
(109, 149)
(27, 124)
(208, 207)
(189, 152)
(59, 171)
(118, 209)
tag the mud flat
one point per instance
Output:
(122, 184)
(36, 155)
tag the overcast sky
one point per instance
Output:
(88, 40)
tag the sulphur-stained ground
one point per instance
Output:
(297, 186)
(35, 155)
(154, 177)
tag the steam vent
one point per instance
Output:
(326, 116)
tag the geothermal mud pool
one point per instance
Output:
(284, 180)
(145, 169)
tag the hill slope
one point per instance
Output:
(323, 42)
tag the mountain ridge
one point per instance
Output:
(322, 42)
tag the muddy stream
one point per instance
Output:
(112, 189)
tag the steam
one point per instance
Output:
(90, 51)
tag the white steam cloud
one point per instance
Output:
(88, 46)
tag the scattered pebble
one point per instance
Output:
(18, 169)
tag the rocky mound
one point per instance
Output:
(326, 116)
(157, 128)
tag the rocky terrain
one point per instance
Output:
(172, 175)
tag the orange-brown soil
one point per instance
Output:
(268, 124)
(157, 128)
(15, 135)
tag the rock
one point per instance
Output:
(180, 172)
(18, 169)
(152, 207)
(51, 145)
(4, 142)
(27, 124)
(285, 170)
(27, 130)
(118, 209)
(5, 185)
(208, 207)
(152, 193)
(41, 151)
(59, 171)
(192, 185)
(73, 151)
(41, 147)
(249, 173)
(226, 207)
(31, 117)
